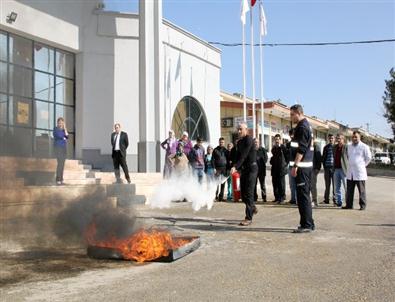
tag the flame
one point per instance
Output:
(143, 245)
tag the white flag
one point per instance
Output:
(262, 20)
(244, 9)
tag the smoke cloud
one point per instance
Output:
(185, 188)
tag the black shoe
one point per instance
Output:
(303, 230)
(362, 208)
(264, 200)
(326, 202)
(255, 210)
(346, 208)
(292, 202)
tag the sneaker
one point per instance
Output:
(59, 183)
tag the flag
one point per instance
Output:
(262, 20)
(253, 3)
(244, 9)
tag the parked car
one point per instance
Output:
(382, 158)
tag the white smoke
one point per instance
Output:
(185, 188)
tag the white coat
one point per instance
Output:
(359, 157)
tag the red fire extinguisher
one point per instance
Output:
(236, 186)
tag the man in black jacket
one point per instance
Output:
(261, 159)
(220, 159)
(279, 162)
(328, 161)
(317, 159)
(119, 142)
(246, 164)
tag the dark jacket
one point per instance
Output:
(123, 143)
(317, 158)
(246, 153)
(261, 160)
(220, 155)
(196, 157)
(328, 156)
(279, 160)
(302, 142)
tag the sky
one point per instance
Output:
(343, 83)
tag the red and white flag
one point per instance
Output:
(262, 20)
(244, 9)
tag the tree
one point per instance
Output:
(389, 100)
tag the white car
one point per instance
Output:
(382, 158)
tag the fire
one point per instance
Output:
(143, 245)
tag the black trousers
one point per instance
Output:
(303, 184)
(60, 153)
(247, 183)
(119, 160)
(220, 172)
(329, 180)
(261, 178)
(278, 182)
(350, 193)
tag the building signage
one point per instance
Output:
(227, 122)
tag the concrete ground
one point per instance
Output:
(350, 257)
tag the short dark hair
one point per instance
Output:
(291, 131)
(330, 135)
(199, 139)
(297, 107)
(277, 135)
(221, 139)
(356, 132)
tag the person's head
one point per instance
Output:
(221, 142)
(209, 149)
(331, 139)
(340, 139)
(356, 137)
(185, 136)
(117, 127)
(180, 148)
(242, 129)
(296, 113)
(256, 142)
(291, 133)
(277, 139)
(60, 122)
(171, 133)
(230, 146)
(199, 141)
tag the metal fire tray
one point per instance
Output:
(98, 252)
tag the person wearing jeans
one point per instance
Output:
(340, 165)
(60, 136)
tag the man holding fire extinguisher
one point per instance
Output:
(248, 168)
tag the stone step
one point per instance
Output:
(84, 174)
(11, 182)
(86, 181)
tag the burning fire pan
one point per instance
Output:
(193, 243)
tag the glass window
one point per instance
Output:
(3, 77)
(64, 64)
(19, 141)
(44, 115)
(190, 117)
(21, 51)
(43, 58)
(20, 111)
(3, 46)
(42, 143)
(43, 86)
(20, 81)
(3, 109)
(64, 91)
(70, 146)
(68, 114)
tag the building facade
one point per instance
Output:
(96, 68)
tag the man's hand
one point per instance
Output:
(233, 170)
(294, 171)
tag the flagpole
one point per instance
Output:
(244, 76)
(262, 98)
(253, 73)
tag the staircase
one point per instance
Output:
(27, 186)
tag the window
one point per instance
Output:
(20, 51)
(189, 116)
(36, 87)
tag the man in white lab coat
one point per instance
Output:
(359, 157)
